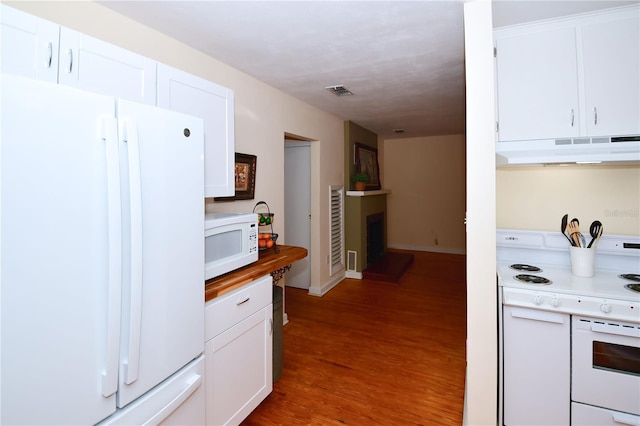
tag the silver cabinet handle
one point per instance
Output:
(50, 60)
(595, 116)
(572, 117)
(70, 66)
(243, 301)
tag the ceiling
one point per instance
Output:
(403, 60)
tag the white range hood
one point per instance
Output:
(597, 150)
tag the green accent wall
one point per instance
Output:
(358, 208)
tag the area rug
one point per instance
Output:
(389, 267)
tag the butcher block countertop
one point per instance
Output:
(268, 262)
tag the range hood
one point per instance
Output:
(596, 150)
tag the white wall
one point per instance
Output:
(426, 208)
(536, 198)
(481, 396)
(262, 115)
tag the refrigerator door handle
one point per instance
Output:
(130, 137)
(192, 385)
(109, 129)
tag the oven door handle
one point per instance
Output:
(626, 419)
(617, 330)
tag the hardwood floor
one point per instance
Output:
(375, 353)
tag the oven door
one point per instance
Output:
(606, 364)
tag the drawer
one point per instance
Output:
(587, 415)
(225, 311)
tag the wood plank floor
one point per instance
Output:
(375, 353)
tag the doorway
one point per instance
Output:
(297, 208)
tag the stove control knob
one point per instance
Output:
(538, 299)
(605, 307)
(555, 302)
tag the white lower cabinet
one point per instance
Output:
(537, 371)
(587, 415)
(238, 349)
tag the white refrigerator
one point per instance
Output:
(102, 254)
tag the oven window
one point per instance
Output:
(609, 356)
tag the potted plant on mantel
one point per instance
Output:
(360, 181)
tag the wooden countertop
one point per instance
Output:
(268, 262)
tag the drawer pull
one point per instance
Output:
(626, 419)
(243, 302)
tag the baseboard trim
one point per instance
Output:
(429, 249)
(326, 287)
(354, 274)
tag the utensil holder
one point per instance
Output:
(582, 261)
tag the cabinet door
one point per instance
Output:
(239, 370)
(186, 93)
(537, 85)
(536, 367)
(611, 55)
(91, 64)
(29, 45)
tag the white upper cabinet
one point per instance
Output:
(611, 58)
(537, 85)
(29, 45)
(36, 48)
(188, 94)
(570, 77)
(93, 65)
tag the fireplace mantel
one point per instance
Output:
(368, 193)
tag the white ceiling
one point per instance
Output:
(403, 60)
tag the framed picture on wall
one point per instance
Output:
(244, 178)
(366, 158)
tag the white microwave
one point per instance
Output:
(230, 242)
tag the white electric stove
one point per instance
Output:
(546, 281)
(569, 346)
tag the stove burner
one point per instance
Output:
(526, 268)
(632, 277)
(633, 287)
(532, 279)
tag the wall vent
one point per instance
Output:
(336, 215)
(352, 260)
(339, 90)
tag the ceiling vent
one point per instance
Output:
(339, 90)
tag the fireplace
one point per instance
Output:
(375, 237)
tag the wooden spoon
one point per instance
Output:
(574, 231)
